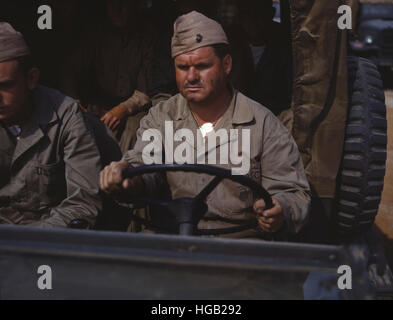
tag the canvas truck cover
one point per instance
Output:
(318, 113)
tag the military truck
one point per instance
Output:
(347, 113)
(373, 37)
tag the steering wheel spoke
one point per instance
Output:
(189, 211)
(208, 189)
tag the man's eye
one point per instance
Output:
(202, 66)
(184, 68)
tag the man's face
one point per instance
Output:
(119, 12)
(14, 91)
(201, 75)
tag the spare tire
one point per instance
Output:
(364, 158)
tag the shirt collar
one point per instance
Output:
(239, 108)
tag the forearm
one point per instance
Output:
(72, 209)
(295, 207)
(138, 102)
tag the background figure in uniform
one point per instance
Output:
(49, 162)
(110, 71)
(261, 55)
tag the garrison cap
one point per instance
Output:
(12, 43)
(194, 30)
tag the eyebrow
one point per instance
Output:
(198, 64)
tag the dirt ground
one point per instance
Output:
(384, 221)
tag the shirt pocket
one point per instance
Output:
(49, 182)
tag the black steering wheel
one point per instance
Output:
(189, 211)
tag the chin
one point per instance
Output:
(194, 97)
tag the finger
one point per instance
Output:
(107, 180)
(101, 181)
(267, 220)
(272, 213)
(259, 206)
(128, 184)
(264, 226)
(276, 210)
(115, 125)
(106, 121)
(112, 122)
(116, 175)
(104, 180)
(107, 177)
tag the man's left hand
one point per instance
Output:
(115, 117)
(271, 220)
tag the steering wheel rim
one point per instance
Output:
(219, 175)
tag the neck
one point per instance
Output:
(212, 111)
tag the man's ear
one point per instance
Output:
(227, 63)
(32, 78)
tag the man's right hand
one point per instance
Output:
(111, 179)
(114, 117)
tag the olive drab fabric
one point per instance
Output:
(49, 176)
(320, 100)
(275, 163)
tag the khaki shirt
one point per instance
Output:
(275, 163)
(49, 176)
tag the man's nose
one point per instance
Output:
(193, 75)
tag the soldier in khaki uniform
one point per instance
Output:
(49, 163)
(200, 50)
(110, 71)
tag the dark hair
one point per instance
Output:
(26, 63)
(221, 50)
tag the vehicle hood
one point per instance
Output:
(375, 25)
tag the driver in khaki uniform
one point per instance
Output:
(206, 105)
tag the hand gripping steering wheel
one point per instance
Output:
(189, 211)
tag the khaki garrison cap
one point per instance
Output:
(12, 43)
(193, 31)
